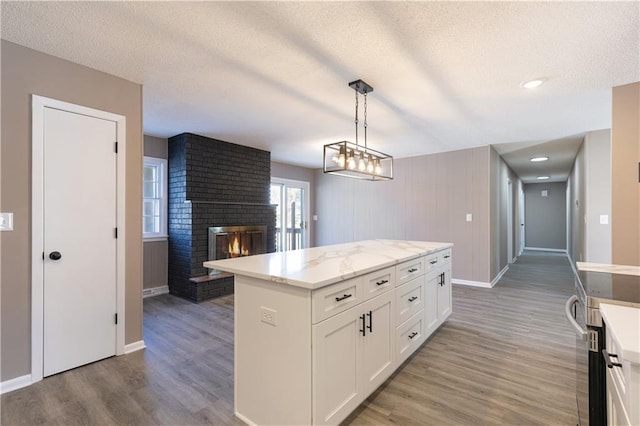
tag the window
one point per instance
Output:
(154, 193)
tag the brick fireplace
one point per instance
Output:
(213, 184)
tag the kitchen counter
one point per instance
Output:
(608, 268)
(316, 267)
(623, 324)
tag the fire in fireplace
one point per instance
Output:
(235, 241)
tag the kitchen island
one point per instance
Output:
(318, 330)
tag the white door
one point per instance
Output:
(79, 240)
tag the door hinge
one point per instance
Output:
(116, 147)
(42, 255)
(116, 318)
(115, 232)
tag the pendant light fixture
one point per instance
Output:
(352, 159)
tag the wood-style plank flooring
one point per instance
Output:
(506, 356)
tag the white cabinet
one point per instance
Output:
(306, 355)
(353, 355)
(431, 302)
(444, 294)
(410, 335)
(623, 362)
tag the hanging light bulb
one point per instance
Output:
(351, 161)
(361, 164)
(378, 169)
(370, 161)
(341, 157)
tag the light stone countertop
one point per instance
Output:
(317, 267)
(623, 323)
(608, 268)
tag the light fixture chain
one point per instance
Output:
(365, 121)
(356, 119)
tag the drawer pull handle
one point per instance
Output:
(382, 282)
(370, 326)
(607, 359)
(413, 270)
(363, 330)
(433, 262)
(346, 296)
(446, 256)
(411, 299)
(412, 335)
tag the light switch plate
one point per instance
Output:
(604, 219)
(6, 221)
(469, 217)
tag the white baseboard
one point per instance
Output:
(500, 274)
(135, 346)
(155, 291)
(14, 384)
(546, 249)
(471, 283)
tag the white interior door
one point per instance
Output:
(79, 198)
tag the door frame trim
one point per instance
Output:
(38, 105)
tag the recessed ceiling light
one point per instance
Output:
(542, 177)
(538, 159)
(532, 84)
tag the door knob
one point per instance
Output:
(55, 255)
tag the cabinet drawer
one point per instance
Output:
(335, 298)
(407, 271)
(410, 336)
(444, 257)
(379, 282)
(409, 299)
(431, 262)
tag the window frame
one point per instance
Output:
(161, 165)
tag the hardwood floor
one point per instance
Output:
(505, 356)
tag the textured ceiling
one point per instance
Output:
(273, 75)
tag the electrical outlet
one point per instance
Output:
(469, 217)
(268, 315)
(6, 221)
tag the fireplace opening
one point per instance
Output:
(226, 242)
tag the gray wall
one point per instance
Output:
(500, 176)
(576, 208)
(427, 200)
(545, 218)
(597, 236)
(155, 253)
(288, 171)
(26, 72)
(589, 192)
